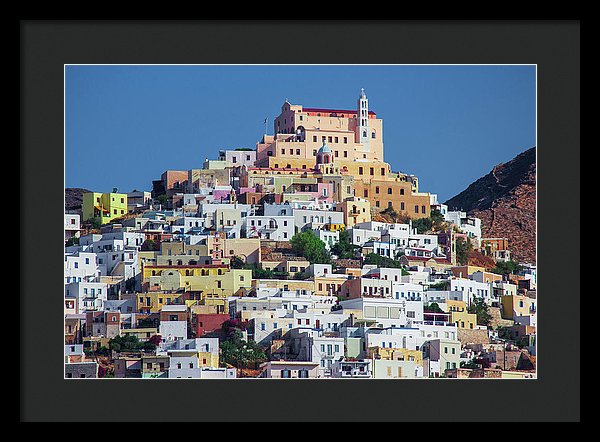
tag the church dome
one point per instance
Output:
(324, 149)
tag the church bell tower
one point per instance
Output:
(363, 120)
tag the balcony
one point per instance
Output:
(355, 374)
(446, 324)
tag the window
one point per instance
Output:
(286, 374)
(416, 209)
(360, 170)
(401, 191)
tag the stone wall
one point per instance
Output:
(81, 370)
(467, 336)
(497, 319)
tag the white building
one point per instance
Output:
(472, 289)
(81, 266)
(313, 216)
(90, 296)
(393, 337)
(238, 157)
(408, 291)
(72, 225)
(138, 199)
(468, 224)
(352, 369)
(173, 329)
(387, 312)
(275, 228)
(330, 238)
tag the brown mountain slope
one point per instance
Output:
(73, 198)
(505, 200)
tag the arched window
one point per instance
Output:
(365, 133)
(373, 134)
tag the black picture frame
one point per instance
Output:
(46, 46)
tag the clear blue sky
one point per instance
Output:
(449, 125)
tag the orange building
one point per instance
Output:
(353, 140)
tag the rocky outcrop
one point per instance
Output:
(74, 198)
(505, 201)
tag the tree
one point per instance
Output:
(506, 267)
(127, 342)
(433, 308)
(93, 223)
(150, 245)
(155, 339)
(236, 263)
(258, 272)
(307, 244)
(102, 351)
(235, 350)
(344, 249)
(301, 275)
(435, 222)
(162, 200)
(442, 285)
(463, 249)
(481, 309)
(72, 241)
(383, 261)
(437, 217)
(422, 225)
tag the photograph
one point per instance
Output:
(300, 221)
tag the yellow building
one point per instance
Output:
(331, 285)
(352, 141)
(356, 210)
(400, 354)
(143, 334)
(466, 271)
(152, 302)
(208, 359)
(212, 284)
(517, 305)
(460, 316)
(104, 206)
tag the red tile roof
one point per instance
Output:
(330, 111)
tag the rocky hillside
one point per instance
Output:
(73, 198)
(505, 200)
